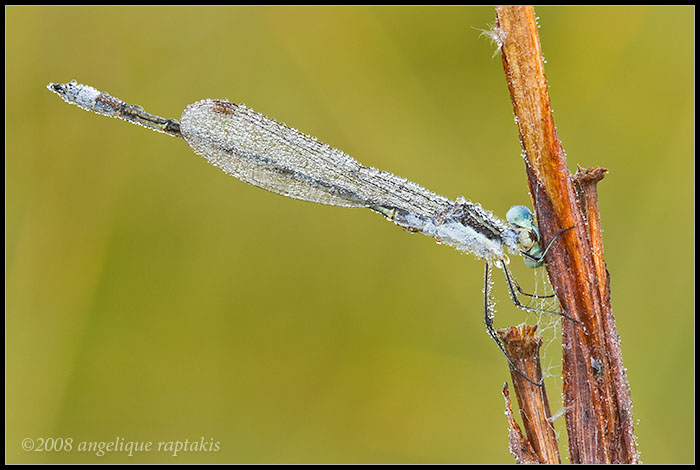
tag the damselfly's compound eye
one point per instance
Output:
(520, 217)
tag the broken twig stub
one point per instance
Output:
(523, 345)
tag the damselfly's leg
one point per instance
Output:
(488, 321)
(540, 259)
(517, 303)
(522, 292)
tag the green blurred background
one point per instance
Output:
(152, 298)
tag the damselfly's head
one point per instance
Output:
(522, 221)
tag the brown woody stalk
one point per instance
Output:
(595, 387)
(522, 344)
(520, 447)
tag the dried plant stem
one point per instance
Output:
(523, 345)
(520, 447)
(596, 391)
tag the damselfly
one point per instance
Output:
(268, 154)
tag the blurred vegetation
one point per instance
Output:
(152, 298)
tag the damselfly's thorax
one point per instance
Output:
(469, 227)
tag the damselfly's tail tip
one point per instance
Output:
(83, 96)
(62, 89)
